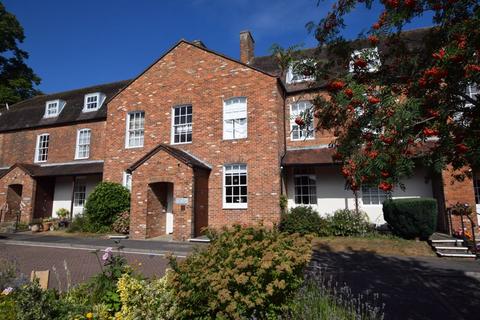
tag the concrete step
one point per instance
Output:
(457, 255)
(451, 248)
(447, 241)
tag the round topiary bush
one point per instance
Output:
(411, 218)
(103, 205)
(303, 220)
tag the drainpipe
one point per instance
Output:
(284, 96)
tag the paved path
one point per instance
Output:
(411, 288)
(49, 252)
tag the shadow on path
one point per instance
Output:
(411, 288)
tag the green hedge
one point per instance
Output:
(103, 205)
(303, 220)
(411, 218)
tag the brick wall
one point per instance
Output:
(18, 176)
(320, 137)
(190, 75)
(147, 219)
(19, 146)
(458, 191)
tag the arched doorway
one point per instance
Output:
(160, 216)
(14, 201)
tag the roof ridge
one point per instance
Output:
(70, 91)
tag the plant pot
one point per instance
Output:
(35, 228)
(46, 226)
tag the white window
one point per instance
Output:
(41, 152)
(472, 91)
(93, 101)
(135, 129)
(301, 109)
(373, 195)
(82, 150)
(127, 180)
(305, 189)
(53, 108)
(295, 74)
(79, 193)
(235, 186)
(235, 118)
(370, 56)
(182, 124)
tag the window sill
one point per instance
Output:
(176, 143)
(81, 158)
(235, 207)
(89, 110)
(306, 139)
(135, 147)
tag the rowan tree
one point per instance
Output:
(403, 100)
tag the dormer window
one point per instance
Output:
(365, 60)
(297, 71)
(93, 101)
(53, 108)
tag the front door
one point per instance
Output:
(44, 198)
(79, 196)
(169, 213)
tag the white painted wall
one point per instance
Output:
(331, 193)
(62, 197)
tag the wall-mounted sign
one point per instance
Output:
(181, 201)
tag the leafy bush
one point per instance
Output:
(303, 220)
(62, 213)
(411, 218)
(79, 224)
(346, 222)
(144, 299)
(8, 272)
(32, 302)
(245, 272)
(122, 223)
(103, 205)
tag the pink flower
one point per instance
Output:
(109, 249)
(105, 256)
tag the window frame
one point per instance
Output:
(476, 188)
(77, 147)
(472, 94)
(226, 106)
(311, 134)
(98, 95)
(129, 131)
(173, 125)
(37, 148)
(239, 205)
(125, 180)
(79, 182)
(370, 68)
(58, 108)
(378, 194)
(290, 75)
(310, 194)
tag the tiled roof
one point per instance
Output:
(29, 113)
(413, 39)
(69, 169)
(181, 155)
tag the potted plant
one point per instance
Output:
(47, 223)
(62, 214)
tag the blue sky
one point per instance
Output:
(77, 43)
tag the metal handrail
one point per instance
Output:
(463, 212)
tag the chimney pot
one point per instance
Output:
(247, 47)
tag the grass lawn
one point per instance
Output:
(378, 244)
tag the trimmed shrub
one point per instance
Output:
(79, 224)
(107, 200)
(122, 223)
(347, 222)
(303, 220)
(411, 218)
(245, 273)
(144, 299)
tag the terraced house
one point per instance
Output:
(199, 138)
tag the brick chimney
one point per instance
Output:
(247, 47)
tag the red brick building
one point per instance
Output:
(199, 138)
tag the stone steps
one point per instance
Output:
(445, 246)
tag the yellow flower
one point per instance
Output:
(89, 315)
